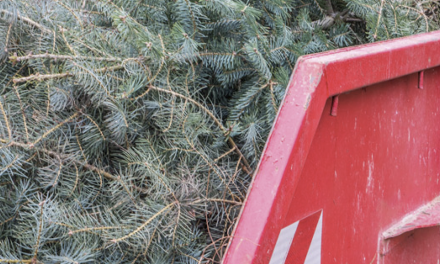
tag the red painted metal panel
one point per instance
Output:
(303, 239)
(426, 216)
(418, 246)
(374, 160)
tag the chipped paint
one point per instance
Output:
(370, 179)
(309, 97)
(425, 216)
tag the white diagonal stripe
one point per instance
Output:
(282, 246)
(314, 253)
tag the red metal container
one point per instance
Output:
(351, 170)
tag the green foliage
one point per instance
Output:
(387, 19)
(129, 130)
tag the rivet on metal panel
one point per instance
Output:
(335, 102)
(421, 80)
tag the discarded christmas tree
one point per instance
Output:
(130, 130)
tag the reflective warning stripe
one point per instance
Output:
(284, 242)
(282, 246)
(314, 254)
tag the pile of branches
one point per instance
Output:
(130, 130)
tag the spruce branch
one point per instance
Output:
(98, 170)
(206, 110)
(40, 230)
(32, 260)
(225, 154)
(60, 57)
(22, 112)
(420, 11)
(66, 41)
(27, 21)
(272, 96)
(193, 20)
(41, 77)
(54, 128)
(379, 17)
(76, 180)
(109, 69)
(330, 11)
(7, 37)
(205, 159)
(14, 215)
(16, 73)
(72, 12)
(62, 156)
(160, 179)
(101, 84)
(163, 210)
(5, 118)
(213, 200)
(92, 229)
(31, 157)
(210, 245)
(171, 102)
(11, 164)
(321, 9)
(95, 124)
(55, 182)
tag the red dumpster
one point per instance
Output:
(351, 170)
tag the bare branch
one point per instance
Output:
(61, 57)
(41, 77)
